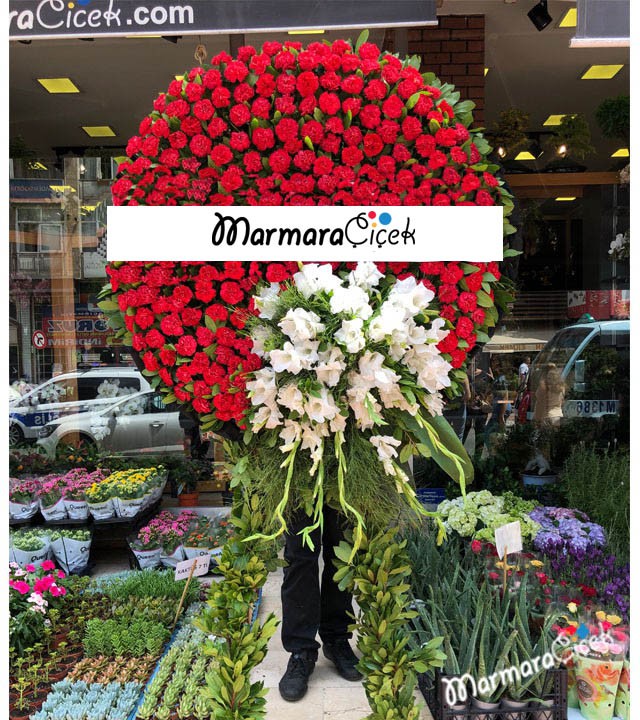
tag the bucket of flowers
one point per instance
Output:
(51, 497)
(146, 547)
(33, 591)
(29, 547)
(130, 490)
(23, 498)
(78, 481)
(99, 500)
(157, 482)
(201, 541)
(71, 549)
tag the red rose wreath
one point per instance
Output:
(323, 125)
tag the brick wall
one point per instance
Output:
(454, 51)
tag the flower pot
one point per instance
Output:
(622, 696)
(485, 709)
(517, 706)
(147, 558)
(188, 499)
(535, 480)
(597, 682)
(542, 710)
(55, 677)
(16, 714)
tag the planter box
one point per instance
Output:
(535, 480)
(434, 693)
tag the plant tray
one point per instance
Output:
(434, 693)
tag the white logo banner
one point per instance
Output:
(317, 233)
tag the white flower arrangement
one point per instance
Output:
(619, 247)
(352, 349)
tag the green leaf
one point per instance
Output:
(307, 142)
(511, 253)
(362, 39)
(318, 115)
(484, 300)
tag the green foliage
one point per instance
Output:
(614, 117)
(150, 583)
(378, 576)
(145, 608)
(511, 130)
(598, 483)
(574, 132)
(240, 644)
(124, 638)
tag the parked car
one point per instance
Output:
(592, 360)
(138, 423)
(69, 393)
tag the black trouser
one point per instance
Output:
(310, 607)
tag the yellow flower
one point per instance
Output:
(614, 619)
(572, 607)
(601, 615)
(537, 563)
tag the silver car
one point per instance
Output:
(134, 424)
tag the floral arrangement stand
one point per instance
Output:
(553, 707)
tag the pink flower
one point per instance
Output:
(21, 586)
(56, 590)
(48, 565)
(61, 575)
(30, 568)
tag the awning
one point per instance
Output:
(512, 344)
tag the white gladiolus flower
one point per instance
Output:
(338, 424)
(352, 300)
(292, 398)
(290, 434)
(435, 332)
(263, 387)
(434, 375)
(435, 404)
(321, 408)
(286, 360)
(301, 325)
(412, 295)
(314, 278)
(312, 435)
(372, 370)
(267, 301)
(268, 416)
(385, 445)
(350, 335)
(359, 398)
(391, 318)
(392, 397)
(259, 336)
(366, 275)
(308, 352)
(331, 366)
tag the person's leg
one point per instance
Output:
(300, 609)
(336, 604)
(300, 590)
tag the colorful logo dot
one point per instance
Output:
(385, 218)
(372, 213)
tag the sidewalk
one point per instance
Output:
(329, 696)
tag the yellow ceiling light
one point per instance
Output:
(602, 72)
(486, 72)
(565, 199)
(98, 131)
(525, 155)
(58, 85)
(621, 152)
(305, 32)
(553, 120)
(570, 19)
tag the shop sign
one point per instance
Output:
(590, 408)
(600, 304)
(82, 329)
(32, 188)
(40, 19)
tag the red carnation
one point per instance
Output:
(187, 345)
(231, 293)
(467, 302)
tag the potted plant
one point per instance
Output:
(100, 501)
(51, 498)
(510, 132)
(187, 476)
(613, 117)
(574, 134)
(23, 500)
(146, 548)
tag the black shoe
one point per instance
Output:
(294, 683)
(343, 657)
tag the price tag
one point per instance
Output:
(508, 538)
(184, 568)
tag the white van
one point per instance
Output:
(593, 359)
(70, 393)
